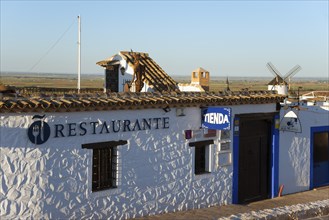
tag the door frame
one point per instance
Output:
(108, 83)
(274, 153)
(314, 130)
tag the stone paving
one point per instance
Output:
(227, 211)
(319, 218)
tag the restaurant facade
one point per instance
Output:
(128, 155)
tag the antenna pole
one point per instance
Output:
(298, 94)
(79, 52)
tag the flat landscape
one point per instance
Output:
(97, 81)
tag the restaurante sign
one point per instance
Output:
(40, 131)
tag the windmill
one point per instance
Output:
(279, 82)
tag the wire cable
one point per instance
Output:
(52, 47)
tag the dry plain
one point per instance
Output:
(216, 83)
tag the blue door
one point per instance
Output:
(320, 158)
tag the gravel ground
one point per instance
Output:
(299, 211)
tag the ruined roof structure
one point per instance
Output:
(154, 75)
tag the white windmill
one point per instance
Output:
(279, 82)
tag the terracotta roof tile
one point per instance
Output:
(114, 101)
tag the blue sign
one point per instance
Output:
(39, 131)
(216, 118)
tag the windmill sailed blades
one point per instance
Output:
(292, 72)
(273, 70)
(278, 75)
(279, 78)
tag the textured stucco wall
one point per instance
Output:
(294, 152)
(156, 168)
(53, 180)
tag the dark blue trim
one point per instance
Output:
(275, 157)
(314, 130)
(235, 184)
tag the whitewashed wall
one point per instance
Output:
(190, 88)
(53, 180)
(294, 152)
(250, 109)
(281, 89)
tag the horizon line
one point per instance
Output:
(173, 75)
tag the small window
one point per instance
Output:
(202, 156)
(195, 75)
(104, 164)
(104, 168)
(321, 148)
(200, 160)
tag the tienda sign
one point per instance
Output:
(216, 118)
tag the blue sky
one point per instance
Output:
(228, 38)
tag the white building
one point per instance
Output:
(122, 155)
(316, 98)
(54, 152)
(304, 147)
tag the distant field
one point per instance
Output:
(262, 85)
(51, 80)
(97, 81)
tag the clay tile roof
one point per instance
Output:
(6, 89)
(144, 100)
(155, 76)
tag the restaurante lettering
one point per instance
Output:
(113, 126)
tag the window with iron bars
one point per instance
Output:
(104, 164)
(104, 168)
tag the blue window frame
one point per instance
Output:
(313, 131)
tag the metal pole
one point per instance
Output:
(79, 52)
(298, 94)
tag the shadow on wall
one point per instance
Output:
(300, 160)
(156, 176)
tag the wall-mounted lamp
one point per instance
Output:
(290, 122)
(180, 112)
(166, 109)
